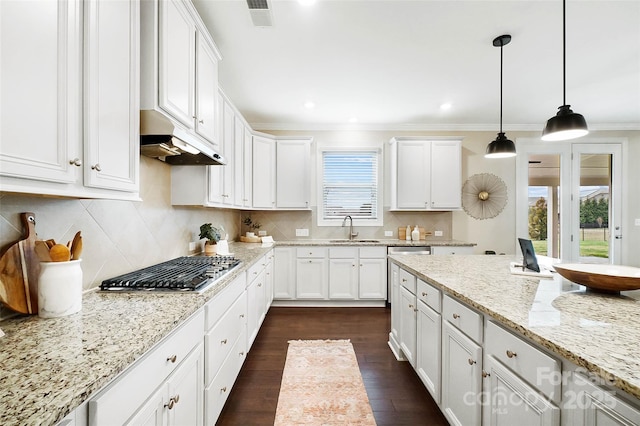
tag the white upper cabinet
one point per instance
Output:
(112, 153)
(207, 88)
(179, 65)
(52, 142)
(238, 164)
(228, 140)
(264, 173)
(292, 173)
(247, 166)
(176, 67)
(426, 174)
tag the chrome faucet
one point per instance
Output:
(351, 233)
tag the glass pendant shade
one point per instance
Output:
(565, 125)
(501, 148)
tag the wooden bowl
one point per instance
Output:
(602, 277)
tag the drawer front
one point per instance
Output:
(464, 318)
(429, 295)
(216, 307)
(126, 393)
(215, 395)
(311, 252)
(408, 281)
(533, 365)
(451, 250)
(220, 340)
(254, 270)
(373, 252)
(343, 253)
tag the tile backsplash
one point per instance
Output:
(118, 236)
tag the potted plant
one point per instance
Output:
(212, 235)
(253, 226)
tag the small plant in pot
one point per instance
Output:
(212, 235)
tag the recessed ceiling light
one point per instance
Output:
(306, 2)
(445, 106)
(309, 105)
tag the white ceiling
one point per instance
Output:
(392, 63)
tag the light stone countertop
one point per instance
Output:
(596, 331)
(48, 367)
(374, 242)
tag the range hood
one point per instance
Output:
(162, 139)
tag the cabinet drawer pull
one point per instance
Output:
(201, 121)
(172, 358)
(470, 361)
(75, 162)
(223, 342)
(404, 280)
(224, 389)
(172, 401)
(456, 316)
(241, 315)
(96, 167)
(485, 374)
(259, 284)
(511, 354)
(424, 294)
(255, 272)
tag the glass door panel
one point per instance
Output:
(544, 204)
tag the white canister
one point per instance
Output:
(59, 289)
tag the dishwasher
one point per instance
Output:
(416, 250)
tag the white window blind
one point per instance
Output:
(350, 184)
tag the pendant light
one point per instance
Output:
(566, 124)
(501, 147)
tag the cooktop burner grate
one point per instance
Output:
(181, 274)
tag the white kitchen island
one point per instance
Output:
(516, 349)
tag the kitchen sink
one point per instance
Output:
(345, 240)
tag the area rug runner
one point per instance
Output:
(322, 385)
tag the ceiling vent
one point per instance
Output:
(260, 13)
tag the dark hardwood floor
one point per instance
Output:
(397, 395)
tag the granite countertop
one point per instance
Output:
(375, 242)
(50, 366)
(596, 331)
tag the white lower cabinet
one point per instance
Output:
(512, 401)
(428, 348)
(284, 271)
(312, 281)
(592, 403)
(161, 373)
(461, 377)
(343, 278)
(408, 315)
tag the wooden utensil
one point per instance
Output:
(42, 250)
(19, 269)
(60, 253)
(74, 246)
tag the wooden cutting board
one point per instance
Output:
(19, 269)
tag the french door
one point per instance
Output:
(569, 199)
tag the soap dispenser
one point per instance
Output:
(415, 234)
(408, 233)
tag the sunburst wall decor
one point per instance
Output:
(484, 196)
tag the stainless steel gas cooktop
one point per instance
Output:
(187, 274)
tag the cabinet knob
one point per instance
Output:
(424, 294)
(241, 315)
(96, 167)
(201, 121)
(172, 359)
(411, 306)
(241, 353)
(511, 354)
(223, 342)
(470, 361)
(259, 284)
(485, 374)
(456, 316)
(75, 162)
(404, 280)
(224, 389)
